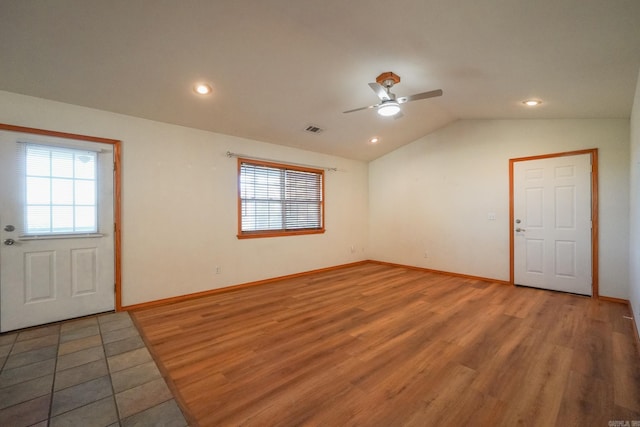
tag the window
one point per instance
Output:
(60, 190)
(279, 200)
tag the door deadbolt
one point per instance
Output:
(9, 227)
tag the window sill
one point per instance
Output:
(276, 233)
(60, 236)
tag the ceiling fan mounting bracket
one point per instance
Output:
(388, 79)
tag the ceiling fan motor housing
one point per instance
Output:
(388, 79)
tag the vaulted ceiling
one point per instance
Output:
(278, 66)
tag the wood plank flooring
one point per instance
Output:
(374, 345)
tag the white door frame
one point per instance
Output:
(594, 212)
(116, 193)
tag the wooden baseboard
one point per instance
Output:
(612, 299)
(232, 288)
(635, 327)
(446, 273)
(633, 318)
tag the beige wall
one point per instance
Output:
(179, 218)
(431, 196)
(434, 195)
(634, 215)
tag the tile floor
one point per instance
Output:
(94, 371)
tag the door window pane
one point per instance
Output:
(62, 191)
(62, 164)
(38, 191)
(62, 217)
(85, 193)
(85, 218)
(39, 219)
(39, 163)
(85, 166)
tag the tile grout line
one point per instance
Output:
(55, 370)
(106, 361)
(6, 359)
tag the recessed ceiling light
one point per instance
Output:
(532, 102)
(202, 89)
(374, 140)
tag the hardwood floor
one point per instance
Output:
(375, 345)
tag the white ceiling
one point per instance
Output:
(277, 66)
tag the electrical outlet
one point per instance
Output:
(353, 249)
(491, 216)
(218, 270)
(426, 254)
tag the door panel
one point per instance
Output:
(55, 276)
(535, 256)
(40, 273)
(565, 262)
(83, 271)
(552, 211)
(534, 207)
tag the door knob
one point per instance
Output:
(9, 242)
(518, 230)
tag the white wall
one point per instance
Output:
(634, 212)
(179, 217)
(434, 195)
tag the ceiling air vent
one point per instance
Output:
(313, 129)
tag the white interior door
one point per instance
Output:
(552, 213)
(56, 227)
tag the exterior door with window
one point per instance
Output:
(56, 219)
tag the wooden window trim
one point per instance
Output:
(277, 233)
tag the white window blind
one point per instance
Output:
(60, 188)
(279, 198)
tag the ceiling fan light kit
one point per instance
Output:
(390, 105)
(389, 108)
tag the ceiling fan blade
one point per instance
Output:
(417, 96)
(362, 108)
(380, 91)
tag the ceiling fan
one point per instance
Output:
(390, 105)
